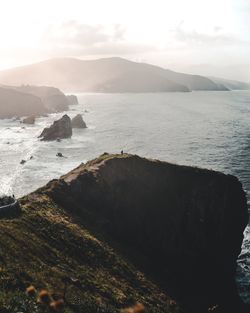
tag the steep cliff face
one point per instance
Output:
(26, 100)
(53, 99)
(15, 103)
(46, 245)
(188, 222)
(127, 229)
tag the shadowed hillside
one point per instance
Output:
(15, 103)
(25, 100)
(47, 244)
(128, 229)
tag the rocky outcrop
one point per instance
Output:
(72, 99)
(187, 222)
(29, 120)
(59, 130)
(17, 104)
(9, 207)
(78, 122)
(60, 155)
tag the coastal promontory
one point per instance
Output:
(129, 230)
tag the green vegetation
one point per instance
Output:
(46, 245)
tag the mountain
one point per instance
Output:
(238, 72)
(231, 84)
(105, 75)
(122, 229)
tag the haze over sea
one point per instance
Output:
(205, 129)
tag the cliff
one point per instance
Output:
(15, 103)
(130, 229)
(106, 75)
(53, 98)
(29, 100)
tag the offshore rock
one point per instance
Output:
(60, 129)
(72, 99)
(78, 122)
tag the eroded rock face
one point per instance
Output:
(78, 122)
(72, 99)
(188, 222)
(59, 130)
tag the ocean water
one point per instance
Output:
(206, 129)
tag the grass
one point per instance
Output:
(46, 244)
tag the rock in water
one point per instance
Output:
(72, 99)
(187, 222)
(9, 207)
(29, 120)
(59, 130)
(78, 122)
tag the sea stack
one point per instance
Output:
(78, 122)
(60, 129)
(72, 99)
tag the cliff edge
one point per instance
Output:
(130, 229)
(189, 222)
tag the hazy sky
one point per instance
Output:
(171, 33)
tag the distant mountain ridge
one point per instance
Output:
(108, 75)
(231, 84)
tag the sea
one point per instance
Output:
(205, 129)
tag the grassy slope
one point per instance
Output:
(46, 243)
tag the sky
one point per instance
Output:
(186, 35)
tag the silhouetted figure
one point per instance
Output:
(122, 152)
